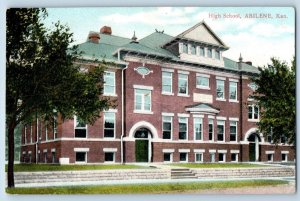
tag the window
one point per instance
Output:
(220, 89)
(233, 91)
(142, 100)
(183, 157)
(212, 157)
(182, 128)
(182, 84)
(234, 157)
(222, 157)
(270, 157)
(109, 157)
(53, 157)
(167, 82)
(209, 53)
(167, 127)
(109, 124)
(198, 128)
(25, 135)
(202, 53)
(233, 130)
(253, 112)
(269, 138)
(46, 133)
(284, 157)
(193, 49)
(109, 83)
(30, 157)
(198, 157)
(220, 130)
(211, 129)
(167, 157)
(81, 157)
(283, 139)
(217, 54)
(55, 127)
(80, 128)
(202, 81)
(185, 48)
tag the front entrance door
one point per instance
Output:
(254, 151)
(143, 149)
(251, 151)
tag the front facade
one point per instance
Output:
(178, 100)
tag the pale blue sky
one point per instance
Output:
(257, 39)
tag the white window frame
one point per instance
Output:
(114, 118)
(272, 157)
(213, 130)
(187, 129)
(191, 49)
(142, 110)
(198, 120)
(236, 92)
(114, 156)
(220, 82)
(167, 77)
(186, 159)
(216, 54)
(200, 51)
(202, 86)
(25, 135)
(186, 78)
(86, 128)
(170, 121)
(81, 162)
(196, 153)
(171, 157)
(236, 129)
(252, 119)
(222, 122)
(54, 127)
(105, 84)
(236, 157)
(224, 157)
(187, 48)
(211, 53)
(286, 157)
(31, 133)
(210, 158)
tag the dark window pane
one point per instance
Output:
(109, 156)
(167, 156)
(221, 157)
(283, 157)
(166, 135)
(183, 156)
(108, 133)
(232, 137)
(182, 135)
(80, 156)
(233, 157)
(80, 133)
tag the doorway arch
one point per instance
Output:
(254, 149)
(143, 145)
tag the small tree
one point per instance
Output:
(276, 95)
(41, 76)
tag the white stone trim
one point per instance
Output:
(235, 151)
(81, 149)
(167, 114)
(142, 112)
(222, 151)
(39, 151)
(183, 115)
(64, 161)
(233, 119)
(202, 75)
(53, 150)
(233, 80)
(167, 70)
(111, 110)
(211, 117)
(198, 115)
(24, 152)
(222, 118)
(110, 149)
(183, 72)
(168, 150)
(220, 78)
(143, 87)
(212, 151)
(199, 150)
(270, 152)
(184, 150)
(254, 130)
(143, 124)
(29, 152)
(285, 152)
(45, 151)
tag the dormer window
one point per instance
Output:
(209, 53)
(185, 48)
(193, 49)
(217, 54)
(202, 51)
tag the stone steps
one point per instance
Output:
(182, 174)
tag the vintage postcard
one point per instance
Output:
(150, 100)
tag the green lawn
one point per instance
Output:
(217, 165)
(49, 167)
(145, 188)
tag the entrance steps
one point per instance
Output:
(182, 173)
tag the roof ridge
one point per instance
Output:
(155, 33)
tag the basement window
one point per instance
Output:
(109, 157)
(167, 157)
(80, 157)
(183, 157)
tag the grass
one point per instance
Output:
(217, 165)
(54, 167)
(145, 188)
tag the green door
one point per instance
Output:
(141, 150)
(251, 151)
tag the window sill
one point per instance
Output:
(220, 99)
(113, 95)
(167, 93)
(142, 112)
(183, 95)
(253, 120)
(233, 101)
(202, 87)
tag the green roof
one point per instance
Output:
(152, 45)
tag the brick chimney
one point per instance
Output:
(106, 30)
(94, 37)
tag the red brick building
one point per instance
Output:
(179, 100)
